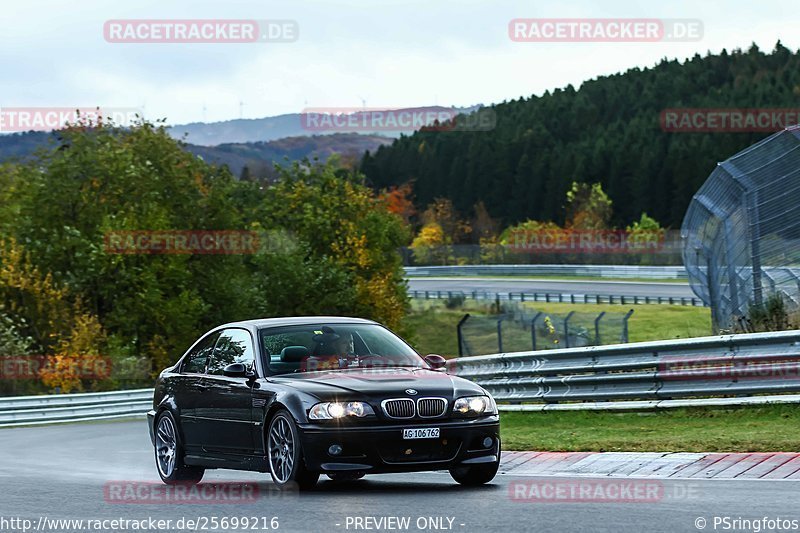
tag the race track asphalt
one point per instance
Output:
(71, 471)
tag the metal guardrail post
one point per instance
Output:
(500, 334)
(625, 326)
(566, 328)
(533, 329)
(460, 335)
(597, 328)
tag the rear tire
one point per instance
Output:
(169, 454)
(287, 464)
(474, 475)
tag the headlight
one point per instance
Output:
(475, 406)
(333, 410)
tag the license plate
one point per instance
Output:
(421, 433)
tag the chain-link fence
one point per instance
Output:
(741, 233)
(521, 329)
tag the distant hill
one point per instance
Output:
(258, 157)
(277, 127)
(608, 130)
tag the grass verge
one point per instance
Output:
(435, 326)
(771, 428)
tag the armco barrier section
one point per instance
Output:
(553, 297)
(740, 366)
(34, 410)
(749, 369)
(601, 271)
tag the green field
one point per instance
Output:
(747, 429)
(435, 326)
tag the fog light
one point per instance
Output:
(335, 449)
(487, 442)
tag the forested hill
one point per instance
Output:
(607, 131)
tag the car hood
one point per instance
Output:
(380, 383)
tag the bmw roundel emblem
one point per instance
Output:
(411, 392)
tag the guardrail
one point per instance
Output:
(557, 297)
(601, 271)
(35, 410)
(748, 369)
(644, 375)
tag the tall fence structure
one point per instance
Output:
(741, 233)
(520, 329)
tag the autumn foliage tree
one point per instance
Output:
(588, 207)
(328, 246)
(399, 201)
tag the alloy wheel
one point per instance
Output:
(166, 445)
(281, 449)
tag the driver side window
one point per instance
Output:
(233, 346)
(195, 362)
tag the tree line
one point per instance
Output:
(326, 246)
(608, 131)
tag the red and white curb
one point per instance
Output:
(654, 465)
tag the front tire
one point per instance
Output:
(169, 454)
(474, 475)
(286, 462)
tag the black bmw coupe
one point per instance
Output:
(299, 397)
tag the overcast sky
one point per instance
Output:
(388, 53)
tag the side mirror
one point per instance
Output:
(436, 361)
(236, 370)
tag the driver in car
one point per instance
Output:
(334, 350)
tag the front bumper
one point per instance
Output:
(381, 448)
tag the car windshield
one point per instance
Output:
(325, 347)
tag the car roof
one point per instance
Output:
(295, 321)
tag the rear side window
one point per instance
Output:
(196, 359)
(234, 346)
